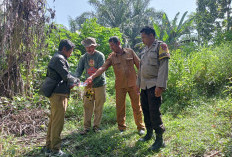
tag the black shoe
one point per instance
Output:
(158, 143)
(147, 137)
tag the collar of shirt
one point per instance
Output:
(89, 55)
(59, 52)
(120, 54)
(153, 44)
(148, 49)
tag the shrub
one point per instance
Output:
(199, 73)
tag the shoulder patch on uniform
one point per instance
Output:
(163, 51)
(164, 46)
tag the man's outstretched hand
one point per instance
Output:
(89, 81)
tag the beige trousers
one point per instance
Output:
(59, 103)
(121, 107)
(94, 105)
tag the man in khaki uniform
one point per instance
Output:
(152, 79)
(123, 61)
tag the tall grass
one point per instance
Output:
(200, 73)
(204, 129)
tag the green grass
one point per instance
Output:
(204, 128)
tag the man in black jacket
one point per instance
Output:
(58, 71)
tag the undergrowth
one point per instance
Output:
(202, 129)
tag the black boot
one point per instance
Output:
(158, 142)
(148, 136)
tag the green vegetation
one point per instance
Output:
(170, 32)
(197, 115)
(129, 16)
(197, 110)
(203, 72)
(203, 129)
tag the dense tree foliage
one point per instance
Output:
(128, 15)
(101, 33)
(55, 33)
(76, 24)
(213, 17)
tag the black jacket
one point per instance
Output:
(58, 71)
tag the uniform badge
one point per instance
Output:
(164, 52)
(164, 47)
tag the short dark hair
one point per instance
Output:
(114, 39)
(66, 43)
(148, 30)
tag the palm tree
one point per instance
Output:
(140, 16)
(129, 15)
(75, 24)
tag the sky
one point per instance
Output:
(73, 8)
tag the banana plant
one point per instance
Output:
(170, 32)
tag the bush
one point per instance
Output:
(199, 73)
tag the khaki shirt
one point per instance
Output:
(154, 66)
(123, 66)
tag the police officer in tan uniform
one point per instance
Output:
(152, 80)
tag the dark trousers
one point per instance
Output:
(151, 110)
